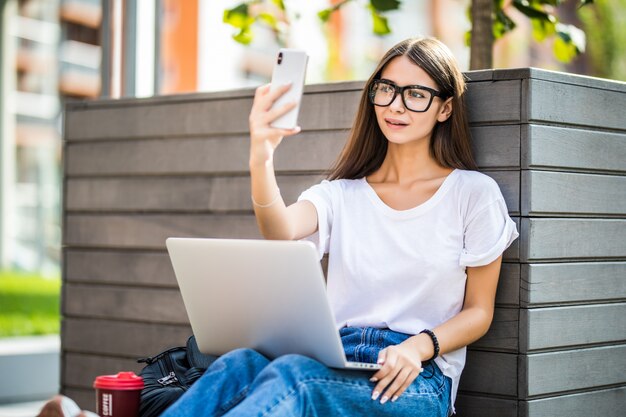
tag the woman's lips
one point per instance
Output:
(395, 124)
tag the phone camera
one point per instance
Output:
(280, 58)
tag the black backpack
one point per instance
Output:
(169, 374)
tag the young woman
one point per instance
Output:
(414, 235)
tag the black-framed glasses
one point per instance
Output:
(416, 98)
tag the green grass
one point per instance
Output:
(29, 304)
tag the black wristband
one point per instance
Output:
(435, 343)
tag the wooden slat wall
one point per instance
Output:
(140, 170)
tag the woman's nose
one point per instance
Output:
(397, 104)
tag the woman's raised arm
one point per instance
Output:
(275, 220)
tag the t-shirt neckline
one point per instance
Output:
(414, 211)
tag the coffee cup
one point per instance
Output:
(118, 395)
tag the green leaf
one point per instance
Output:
(563, 50)
(542, 29)
(468, 38)
(244, 36)
(532, 12)
(269, 20)
(381, 26)
(385, 5)
(572, 35)
(238, 16)
(280, 4)
(502, 24)
(324, 15)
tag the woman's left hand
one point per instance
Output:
(401, 364)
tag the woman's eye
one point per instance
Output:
(385, 88)
(416, 94)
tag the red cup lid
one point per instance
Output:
(121, 381)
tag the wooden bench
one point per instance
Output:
(140, 170)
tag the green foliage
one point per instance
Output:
(29, 305)
(569, 40)
(605, 25)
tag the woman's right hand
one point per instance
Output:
(264, 139)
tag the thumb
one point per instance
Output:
(382, 356)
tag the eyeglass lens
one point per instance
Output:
(416, 99)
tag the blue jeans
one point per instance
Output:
(245, 383)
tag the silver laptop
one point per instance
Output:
(266, 295)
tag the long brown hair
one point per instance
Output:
(366, 147)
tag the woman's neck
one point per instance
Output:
(406, 163)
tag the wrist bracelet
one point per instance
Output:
(271, 203)
(435, 342)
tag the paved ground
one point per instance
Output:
(30, 374)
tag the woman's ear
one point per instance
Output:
(445, 111)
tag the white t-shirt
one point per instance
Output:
(405, 269)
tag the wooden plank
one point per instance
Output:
(497, 146)
(490, 373)
(609, 402)
(141, 268)
(493, 102)
(479, 406)
(566, 194)
(545, 284)
(149, 231)
(180, 194)
(201, 117)
(80, 370)
(556, 372)
(557, 327)
(557, 102)
(509, 182)
(121, 338)
(309, 151)
(572, 149)
(138, 268)
(503, 333)
(153, 305)
(552, 238)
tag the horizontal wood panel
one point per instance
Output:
(557, 102)
(599, 403)
(193, 194)
(504, 332)
(80, 370)
(570, 370)
(141, 268)
(497, 146)
(155, 305)
(571, 326)
(217, 194)
(478, 406)
(551, 238)
(491, 102)
(572, 283)
(309, 151)
(123, 267)
(121, 338)
(490, 373)
(151, 230)
(550, 193)
(201, 117)
(569, 148)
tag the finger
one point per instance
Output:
(267, 99)
(407, 382)
(275, 113)
(389, 372)
(382, 358)
(395, 385)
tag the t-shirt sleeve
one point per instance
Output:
(321, 195)
(488, 232)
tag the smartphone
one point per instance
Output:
(289, 67)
